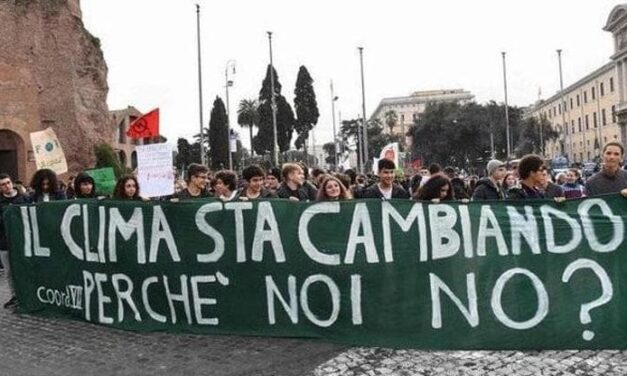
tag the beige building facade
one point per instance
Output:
(584, 115)
(408, 109)
(122, 144)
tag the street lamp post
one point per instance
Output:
(274, 130)
(333, 99)
(202, 136)
(363, 113)
(568, 139)
(507, 135)
(228, 83)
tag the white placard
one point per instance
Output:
(154, 170)
(48, 151)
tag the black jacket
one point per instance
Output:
(374, 192)
(4, 204)
(304, 193)
(487, 190)
(265, 193)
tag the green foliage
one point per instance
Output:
(534, 135)
(306, 107)
(329, 149)
(107, 157)
(248, 116)
(459, 135)
(390, 119)
(376, 138)
(218, 135)
(264, 140)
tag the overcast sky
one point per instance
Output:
(150, 49)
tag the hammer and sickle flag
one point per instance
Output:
(147, 126)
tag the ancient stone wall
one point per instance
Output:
(62, 65)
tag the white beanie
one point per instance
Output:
(493, 165)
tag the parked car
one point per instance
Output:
(588, 169)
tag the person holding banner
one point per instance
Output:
(293, 186)
(530, 170)
(438, 188)
(8, 196)
(332, 189)
(611, 179)
(273, 180)
(198, 176)
(44, 185)
(385, 189)
(224, 185)
(490, 188)
(85, 186)
(127, 188)
(254, 189)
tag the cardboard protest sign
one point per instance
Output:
(104, 179)
(154, 170)
(528, 274)
(48, 151)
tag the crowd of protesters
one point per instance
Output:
(527, 179)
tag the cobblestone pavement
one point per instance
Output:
(32, 346)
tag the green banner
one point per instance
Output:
(513, 275)
(104, 179)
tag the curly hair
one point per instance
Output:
(42, 175)
(119, 191)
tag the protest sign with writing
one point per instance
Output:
(154, 170)
(507, 275)
(48, 151)
(104, 179)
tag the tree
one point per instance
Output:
(535, 133)
(351, 129)
(329, 149)
(107, 157)
(218, 135)
(247, 116)
(263, 142)
(391, 118)
(306, 107)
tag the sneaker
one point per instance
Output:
(11, 303)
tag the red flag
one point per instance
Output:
(146, 126)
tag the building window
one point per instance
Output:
(601, 89)
(572, 124)
(579, 123)
(559, 108)
(550, 114)
(121, 133)
(604, 139)
(587, 123)
(613, 114)
(402, 118)
(578, 101)
(592, 91)
(603, 118)
(612, 84)
(571, 103)
(594, 119)
(585, 97)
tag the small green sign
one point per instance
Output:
(104, 179)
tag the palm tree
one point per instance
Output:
(390, 119)
(248, 116)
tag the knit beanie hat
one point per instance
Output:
(493, 165)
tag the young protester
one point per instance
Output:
(490, 188)
(612, 178)
(332, 189)
(273, 180)
(127, 188)
(550, 189)
(224, 185)
(530, 170)
(44, 185)
(85, 186)
(572, 188)
(293, 187)
(437, 189)
(8, 196)
(385, 189)
(509, 182)
(198, 176)
(254, 189)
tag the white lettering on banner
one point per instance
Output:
(122, 287)
(265, 215)
(161, 231)
(38, 249)
(497, 307)
(415, 216)
(445, 241)
(489, 227)
(240, 243)
(361, 223)
(28, 252)
(548, 213)
(523, 227)
(205, 228)
(70, 297)
(135, 225)
(588, 227)
(290, 305)
(470, 313)
(310, 249)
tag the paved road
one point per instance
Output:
(31, 345)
